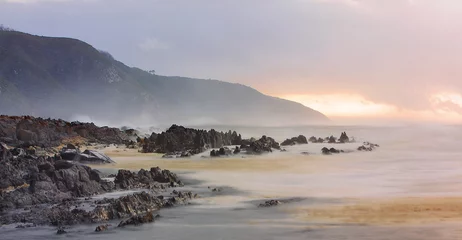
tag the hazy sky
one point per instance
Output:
(361, 58)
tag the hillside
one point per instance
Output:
(67, 78)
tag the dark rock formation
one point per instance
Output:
(88, 156)
(126, 179)
(367, 146)
(328, 151)
(184, 142)
(270, 203)
(331, 139)
(344, 138)
(224, 151)
(263, 145)
(29, 131)
(295, 140)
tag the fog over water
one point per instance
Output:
(420, 162)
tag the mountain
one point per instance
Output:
(68, 78)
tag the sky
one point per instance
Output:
(350, 59)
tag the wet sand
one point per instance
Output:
(397, 211)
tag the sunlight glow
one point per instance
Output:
(342, 105)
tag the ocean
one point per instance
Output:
(408, 188)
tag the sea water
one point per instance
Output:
(412, 161)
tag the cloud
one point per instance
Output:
(392, 52)
(152, 44)
(33, 1)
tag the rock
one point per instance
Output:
(62, 164)
(305, 153)
(92, 156)
(139, 219)
(102, 228)
(144, 179)
(194, 141)
(28, 131)
(270, 203)
(71, 146)
(263, 145)
(344, 138)
(61, 231)
(71, 154)
(295, 140)
(236, 150)
(367, 146)
(327, 151)
(88, 156)
(331, 139)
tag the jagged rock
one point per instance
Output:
(139, 219)
(263, 145)
(344, 138)
(295, 140)
(143, 179)
(178, 139)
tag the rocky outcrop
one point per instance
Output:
(263, 145)
(31, 131)
(184, 142)
(126, 179)
(295, 140)
(31, 180)
(131, 209)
